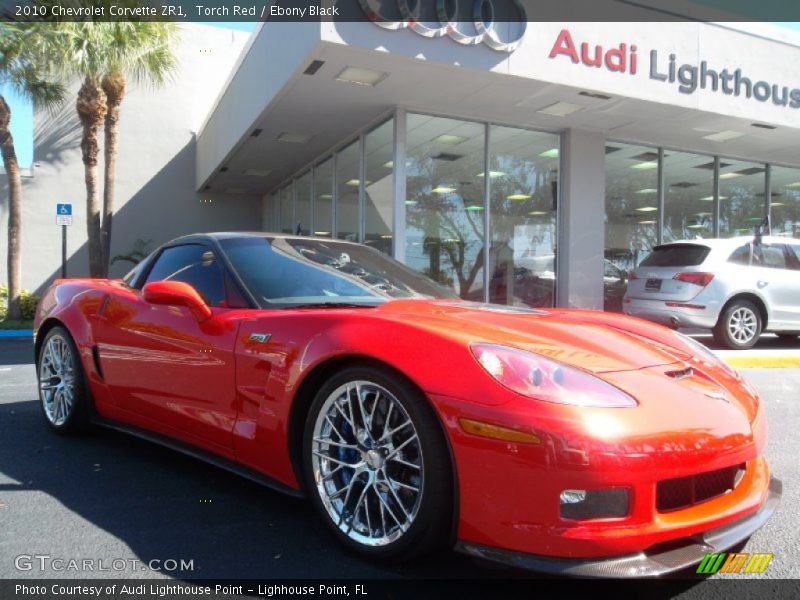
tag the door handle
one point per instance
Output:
(762, 284)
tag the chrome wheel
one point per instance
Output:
(743, 325)
(57, 380)
(367, 463)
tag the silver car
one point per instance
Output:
(737, 287)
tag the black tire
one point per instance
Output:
(430, 525)
(77, 417)
(746, 333)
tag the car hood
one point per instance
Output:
(591, 340)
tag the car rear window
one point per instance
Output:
(676, 255)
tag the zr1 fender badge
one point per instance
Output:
(261, 338)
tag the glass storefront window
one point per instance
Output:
(631, 227)
(323, 198)
(785, 217)
(378, 191)
(741, 197)
(523, 189)
(688, 196)
(302, 191)
(286, 208)
(347, 190)
(445, 202)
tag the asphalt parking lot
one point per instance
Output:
(108, 496)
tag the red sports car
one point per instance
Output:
(569, 441)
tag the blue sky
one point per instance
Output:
(22, 112)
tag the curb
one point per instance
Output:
(764, 362)
(16, 333)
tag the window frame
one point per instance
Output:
(229, 275)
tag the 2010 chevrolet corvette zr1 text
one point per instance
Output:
(561, 440)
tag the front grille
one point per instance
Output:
(674, 494)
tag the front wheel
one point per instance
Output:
(63, 392)
(377, 466)
(739, 325)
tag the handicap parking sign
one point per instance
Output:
(63, 214)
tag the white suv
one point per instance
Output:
(737, 287)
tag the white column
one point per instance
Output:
(582, 182)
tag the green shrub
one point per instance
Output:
(27, 301)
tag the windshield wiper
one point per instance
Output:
(330, 305)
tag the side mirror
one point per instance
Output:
(177, 293)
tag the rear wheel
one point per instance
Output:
(739, 325)
(63, 393)
(377, 466)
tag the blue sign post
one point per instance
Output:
(64, 218)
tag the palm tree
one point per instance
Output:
(103, 56)
(21, 72)
(145, 51)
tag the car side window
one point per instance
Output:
(741, 256)
(794, 256)
(770, 256)
(193, 264)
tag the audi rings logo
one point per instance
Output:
(481, 28)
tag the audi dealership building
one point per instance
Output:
(529, 163)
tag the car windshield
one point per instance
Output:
(295, 272)
(676, 255)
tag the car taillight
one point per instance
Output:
(632, 275)
(701, 279)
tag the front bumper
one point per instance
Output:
(673, 316)
(653, 562)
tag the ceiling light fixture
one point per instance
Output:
(449, 140)
(519, 197)
(293, 138)
(647, 209)
(361, 76)
(492, 174)
(732, 175)
(645, 166)
(552, 153)
(443, 189)
(723, 136)
(647, 191)
(560, 109)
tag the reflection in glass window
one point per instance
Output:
(741, 197)
(323, 199)
(379, 150)
(631, 213)
(286, 209)
(347, 185)
(302, 190)
(523, 191)
(688, 196)
(444, 202)
(785, 218)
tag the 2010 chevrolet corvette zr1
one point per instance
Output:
(562, 440)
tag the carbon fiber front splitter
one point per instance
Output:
(645, 563)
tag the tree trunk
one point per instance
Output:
(14, 213)
(91, 107)
(114, 88)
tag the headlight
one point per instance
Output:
(538, 377)
(707, 355)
